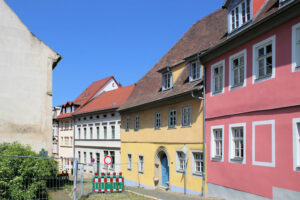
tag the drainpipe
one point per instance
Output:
(203, 127)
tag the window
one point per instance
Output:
(129, 161)
(296, 47)
(141, 164)
(167, 80)
(186, 115)
(296, 144)
(217, 142)
(172, 122)
(79, 133)
(195, 71)
(84, 133)
(98, 132)
(71, 141)
(91, 132)
(113, 132)
(197, 163)
(112, 155)
(238, 69)
(62, 140)
(157, 120)
(91, 157)
(127, 123)
(264, 59)
(105, 132)
(105, 154)
(79, 157)
(66, 141)
(217, 78)
(283, 2)
(84, 157)
(239, 15)
(180, 161)
(136, 123)
(237, 142)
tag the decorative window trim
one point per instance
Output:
(212, 145)
(177, 162)
(230, 157)
(127, 123)
(296, 151)
(190, 115)
(271, 40)
(136, 122)
(295, 66)
(212, 84)
(231, 58)
(141, 171)
(266, 164)
(230, 29)
(175, 125)
(155, 119)
(193, 163)
(198, 65)
(163, 80)
(129, 164)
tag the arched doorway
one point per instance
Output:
(161, 162)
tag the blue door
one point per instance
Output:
(164, 171)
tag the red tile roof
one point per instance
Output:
(87, 94)
(108, 100)
(64, 115)
(91, 91)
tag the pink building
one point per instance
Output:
(253, 102)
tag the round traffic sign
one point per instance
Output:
(93, 160)
(107, 160)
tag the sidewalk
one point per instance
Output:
(165, 195)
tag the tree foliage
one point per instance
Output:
(24, 178)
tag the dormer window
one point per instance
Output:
(239, 15)
(167, 80)
(195, 71)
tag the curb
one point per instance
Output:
(143, 195)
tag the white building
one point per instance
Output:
(26, 65)
(97, 131)
(65, 120)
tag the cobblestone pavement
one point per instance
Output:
(165, 195)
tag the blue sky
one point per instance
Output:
(98, 38)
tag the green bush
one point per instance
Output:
(24, 178)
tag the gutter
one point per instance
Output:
(203, 127)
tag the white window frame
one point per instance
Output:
(295, 65)
(231, 75)
(193, 163)
(169, 118)
(98, 132)
(113, 131)
(91, 132)
(141, 166)
(266, 164)
(127, 123)
(231, 143)
(129, 161)
(255, 72)
(240, 16)
(105, 136)
(169, 73)
(296, 145)
(136, 122)
(156, 118)
(189, 123)
(198, 71)
(178, 169)
(213, 155)
(212, 82)
(79, 132)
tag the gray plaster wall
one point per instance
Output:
(25, 84)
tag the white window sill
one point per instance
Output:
(237, 160)
(172, 127)
(180, 171)
(263, 78)
(140, 172)
(193, 80)
(216, 158)
(186, 126)
(197, 173)
(129, 169)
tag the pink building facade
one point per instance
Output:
(253, 107)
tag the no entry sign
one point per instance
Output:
(107, 160)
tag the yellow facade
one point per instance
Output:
(148, 142)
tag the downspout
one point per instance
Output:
(203, 127)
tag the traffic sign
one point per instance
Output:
(107, 160)
(93, 160)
